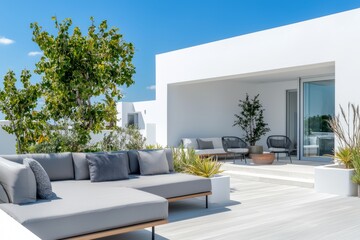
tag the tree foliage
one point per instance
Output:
(251, 119)
(19, 107)
(78, 69)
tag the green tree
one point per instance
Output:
(251, 119)
(77, 70)
(19, 107)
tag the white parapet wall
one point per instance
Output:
(7, 141)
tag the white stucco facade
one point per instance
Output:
(198, 88)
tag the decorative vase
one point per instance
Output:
(256, 149)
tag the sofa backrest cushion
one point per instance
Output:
(170, 159)
(217, 142)
(205, 144)
(18, 181)
(81, 165)
(59, 166)
(153, 162)
(3, 195)
(108, 167)
(189, 143)
(134, 160)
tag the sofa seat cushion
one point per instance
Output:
(81, 210)
(164, 185)
(210, 151)
(238, 150)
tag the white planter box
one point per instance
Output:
(220, 187)
(335, 179)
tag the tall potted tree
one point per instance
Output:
(251, 121)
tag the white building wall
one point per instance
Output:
(7, 141)
(330, 40)
(147, 112)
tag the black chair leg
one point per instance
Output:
(290, 157)
(206, 201)
(153, 233)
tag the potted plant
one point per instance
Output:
(356, 164)
(186, 160)
(251, 121)
(341, 178)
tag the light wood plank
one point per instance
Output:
(118, 230)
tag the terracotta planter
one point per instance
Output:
(264, 158)
(256, 149)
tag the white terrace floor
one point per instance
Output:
(262, 210)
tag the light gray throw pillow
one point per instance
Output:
(43, 184)
(18, 182)
(153, 162)
(107, 167)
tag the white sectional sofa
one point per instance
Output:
(85, 209)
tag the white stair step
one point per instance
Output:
(293, 181)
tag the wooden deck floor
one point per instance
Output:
(262, 211)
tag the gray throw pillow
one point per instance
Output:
(153, 162)
(107, 167)
(205, 144)
(43, 184)
(18, 182)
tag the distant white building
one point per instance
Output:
(302, 71)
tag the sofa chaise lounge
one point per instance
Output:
(87, 210)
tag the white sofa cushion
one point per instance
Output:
(189, 143)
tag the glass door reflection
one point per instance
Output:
(318, 108)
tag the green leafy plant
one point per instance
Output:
(346, 127)
(154, 146)
(187, 161)
(356, 163)
(251, 119)
(204, 167)
(182, 158)
(79, 70)
(19, 107)
(127, 138)
(345, 156)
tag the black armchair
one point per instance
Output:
(279, 144)
(235, 146)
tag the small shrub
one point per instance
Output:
(186, 161)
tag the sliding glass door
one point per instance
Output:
(318, 106)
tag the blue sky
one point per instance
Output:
(153, 26)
